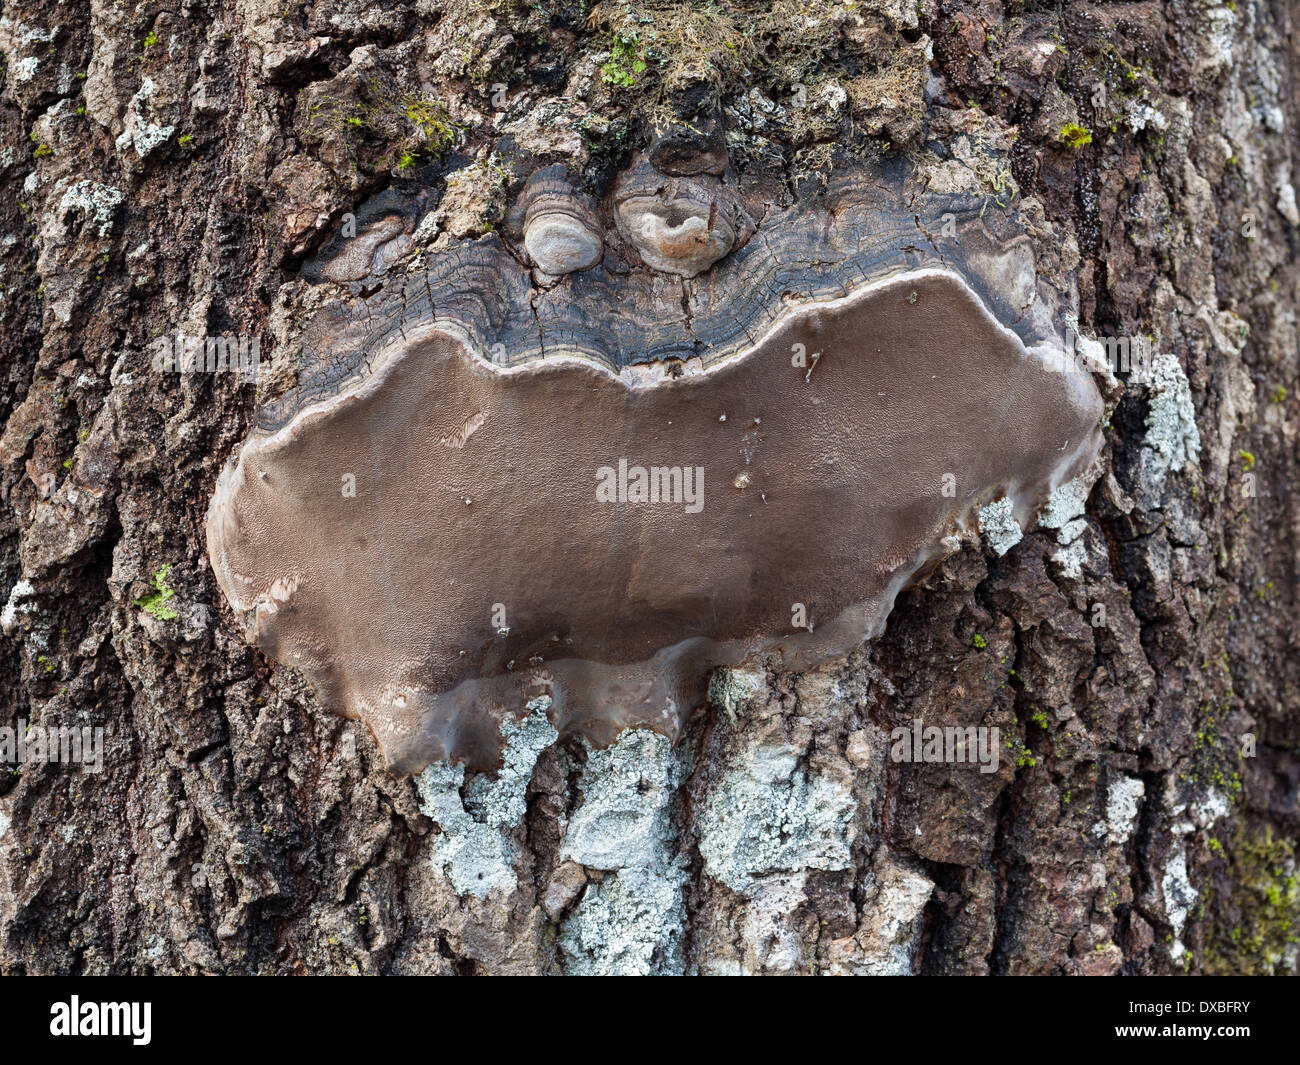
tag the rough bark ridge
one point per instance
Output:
(179, 169)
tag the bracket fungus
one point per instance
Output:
(369, 243)
(678, 225)
(561, 234)
(479, 493)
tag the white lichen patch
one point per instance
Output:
(765, 814)
(475, 851)
(887, 939)
(778, 946)
(1140, 115)
(1091, 355)
(623, 821)
(97, 202)
(18, 596)
(139, 133)
(500, 802)
(734, 690)
(1210, 808)
(1066, 503)
(999, 527)
(1179, 896)
(1286, 202)
(1213, 31)
(1172, 439)
(631, 921)
(1123, 799)
(1070, 556)
(145, 138)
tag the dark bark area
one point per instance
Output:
(172, 169)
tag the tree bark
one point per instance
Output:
(182, 170)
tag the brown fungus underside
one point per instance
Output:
(442, 522)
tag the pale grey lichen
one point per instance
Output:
(1066, 503)
(1070, 557)
(734, 689)
(138, 133)
(999, 527)
(19, 599)
(895, 896)
(771, 924)
(1122, 800)
(623, 821)
(97, 202)
(500, 802)
(766, 814)
(1172, 439)
(1179, 897)
(145, 138)
(475, 851)
(1286, 202)
(632, 921)
(1213, 806)
(1064, 513)
(1140, 115)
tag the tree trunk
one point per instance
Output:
(196, 170)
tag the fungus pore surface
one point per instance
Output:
(481, 492)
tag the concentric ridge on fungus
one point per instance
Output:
(560, 231)
(854, 382)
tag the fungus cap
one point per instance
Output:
(560, 230)
(493, 494)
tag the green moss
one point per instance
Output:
(1073, 135)
(43, 150)
(185, 139)
(1253, 910)
(1022, 754)
(624, 63)
(1279, 394)
(1247, 460)
(978, 642)
(786, 49)
(1214, 763)
(150, 39)
(384, 127)
(156, 602)
(430, 122)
